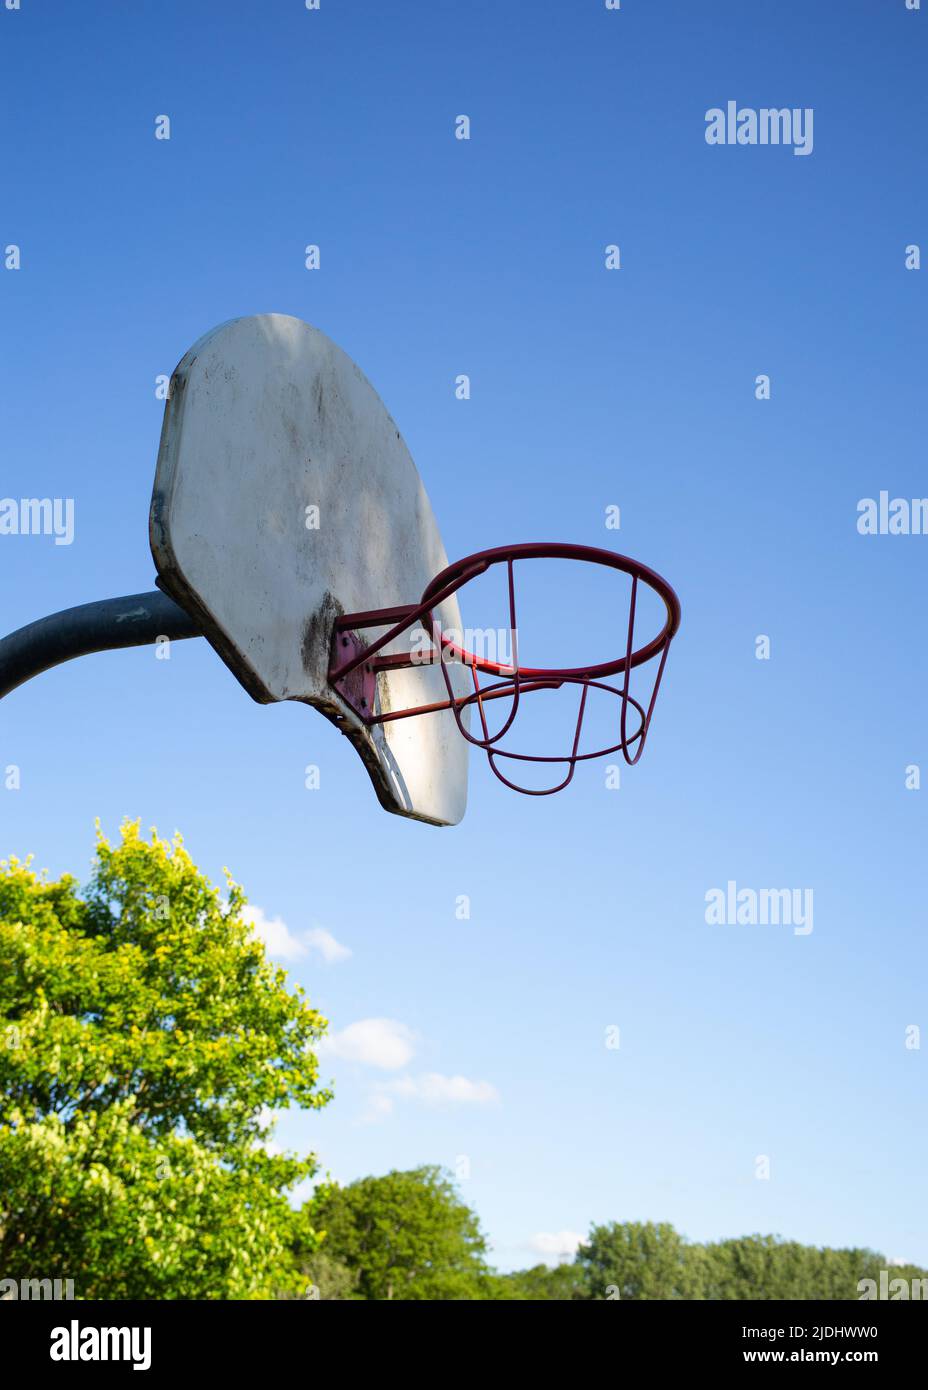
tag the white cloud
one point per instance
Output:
(278, 939)
(375, 1042)
(434, 1089)
(379, 1107)
(388, 1044)
(318, 939)
(555, 1246)
(283, 944)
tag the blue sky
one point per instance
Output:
(589, 388)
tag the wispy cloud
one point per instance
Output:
(434, 1089)
(278, 939)
(555, 1246)
(283, 944)
(378, 1107)
(431, 1089)
(318, 939)
(374, 1042)
(389, 1045)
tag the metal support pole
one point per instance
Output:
(133, 621)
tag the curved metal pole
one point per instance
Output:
(132, 621)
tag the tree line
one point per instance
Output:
(409, 1235)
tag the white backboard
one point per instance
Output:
(267, 420)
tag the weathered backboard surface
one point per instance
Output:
(268, 420)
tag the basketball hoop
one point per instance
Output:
(269, 426)
(356, 664)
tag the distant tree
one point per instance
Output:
(144, 1040)
(638, 1261)
(406, 1235)
(654, 1262)
(325, 1276)
(332, 1279)
(544, 1283)
(766, 1267)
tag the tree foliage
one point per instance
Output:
(634, 1260)
(544, 1282)
(404, 1236)
(145, 1042)
(637, 1261)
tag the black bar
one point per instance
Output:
(131, 621)
(221, 1339)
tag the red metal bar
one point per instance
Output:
(374, 617)
(461, 700)
(410, 616)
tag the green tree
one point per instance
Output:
(405, 1236)
(326, 1277)
(330, 1279)
(637, 1260)
(768, 1268)
(544, 1283)
(144, 1042)
(654, 1262)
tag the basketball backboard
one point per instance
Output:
(285, 497)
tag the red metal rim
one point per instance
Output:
(456, 574)
(511, 687)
